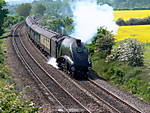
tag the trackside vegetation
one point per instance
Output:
(124, 66)
(10, 100)
(125, 63)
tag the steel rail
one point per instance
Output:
(95, 96)
(102, 89)
(29, 69)
(80, 87)
(53, 78)
(114, 96)
(87, 92)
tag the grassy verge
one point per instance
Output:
(10, 99)
(147, 53)
(133, 79)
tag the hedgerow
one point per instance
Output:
(11, 101)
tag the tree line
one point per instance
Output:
(133, 21)
(3, 15)
(126, 4)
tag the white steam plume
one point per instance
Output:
(89, 16)
(52, 61)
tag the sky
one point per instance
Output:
(14, 0)
(11, 0)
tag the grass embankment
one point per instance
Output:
(147, 53)
(10, 99)
(133, 79)
(127, 14)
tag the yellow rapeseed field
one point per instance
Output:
(127, 14)
(140, 32)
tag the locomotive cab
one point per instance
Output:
(73, 56)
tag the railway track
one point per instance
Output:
(15, 33)
(102, 95)
(85, 99)
(47, 79)
(63, 97)
(115, 98)
(112, 102)
(106, 97)
(29, 63)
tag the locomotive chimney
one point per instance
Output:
(78, 41)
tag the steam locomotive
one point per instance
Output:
(71, 53)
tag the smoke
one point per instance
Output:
(52, 61)
(88, 16)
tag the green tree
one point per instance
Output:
(39, 9)
(11, 101)
(126, 4)
(102, 42)
(120, 22)
(100, 33)
(56, 7)
(128, 50)
(11, 20)
(24, 9)
(68, 25)
(3, 14)
(63, 25)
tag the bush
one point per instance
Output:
(129, 50)
(103, 42)
(10, 101)
(62, 25)
(138, 87)
(120, 22)
(123, 75)
(11, 20)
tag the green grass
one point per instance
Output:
(147, 53)
(10, 99)
(147, 45)
(146, 75)
(133, 79)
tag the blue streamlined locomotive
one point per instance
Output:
(70, 53)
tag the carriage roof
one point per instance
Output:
(40, 29)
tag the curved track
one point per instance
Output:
(110, 100)
(117, 100)
(39, 73)
(71, 95)
(83, 98)
(66, 99)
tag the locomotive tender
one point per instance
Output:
(71, 53)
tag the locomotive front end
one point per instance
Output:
(81, 60)
(73, 57)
